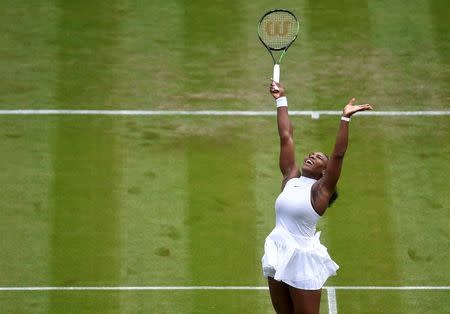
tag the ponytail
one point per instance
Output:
(333, 198)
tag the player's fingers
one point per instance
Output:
(274, 88)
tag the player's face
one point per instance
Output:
(315, 164)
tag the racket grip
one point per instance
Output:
(276, 73)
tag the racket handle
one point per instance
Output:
(276, 73)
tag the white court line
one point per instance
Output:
(143, 288)
(391, 288)
(131, 288)
(332, 303)
(313, 114)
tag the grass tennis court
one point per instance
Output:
(186, 201)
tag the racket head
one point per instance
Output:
(278, 29)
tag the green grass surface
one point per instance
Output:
(183, 201)
(187, 201)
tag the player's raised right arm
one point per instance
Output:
(287, 162)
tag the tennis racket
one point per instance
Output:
(277, 30)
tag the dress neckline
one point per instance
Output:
(306, 179)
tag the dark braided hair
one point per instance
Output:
(333, 198)
(335, 194)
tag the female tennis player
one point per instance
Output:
(295, 263)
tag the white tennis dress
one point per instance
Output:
(292, 251)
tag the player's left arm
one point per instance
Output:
(326, 186)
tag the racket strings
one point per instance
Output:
(278, 29)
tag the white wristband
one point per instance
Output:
(345, 119)
(282, 102)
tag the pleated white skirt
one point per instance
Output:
(301, 262)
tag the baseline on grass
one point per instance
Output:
(314, 114)
(277, 30)
(331, 291)
(227, 288)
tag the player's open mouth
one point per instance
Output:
(309, 162)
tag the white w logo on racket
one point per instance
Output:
(277, 28)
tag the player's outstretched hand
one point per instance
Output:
(351, 108)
